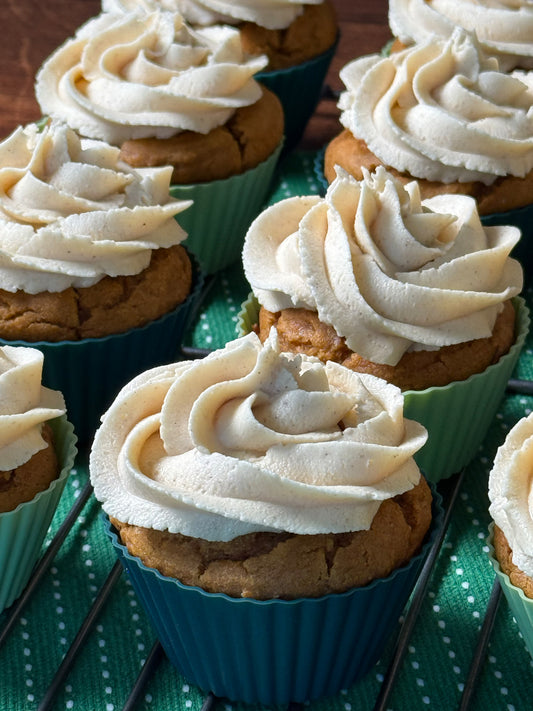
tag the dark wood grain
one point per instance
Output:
(32, 29)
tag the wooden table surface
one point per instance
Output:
(32, 29)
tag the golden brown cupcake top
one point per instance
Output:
(389, 272)
(251, 439)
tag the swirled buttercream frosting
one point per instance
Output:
(503, 27)
(389, 271)
(72, 213)
(24, 405)
(271, 14)
(511, 493)
(128, 76)
(251, 439)
(442, 111)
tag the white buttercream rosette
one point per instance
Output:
(271, 14)
(71, 212)
(441, 110)
(511, 492)
(389, 271)
(128, 75)
(504, 27)
(24, 405)
(251, 439)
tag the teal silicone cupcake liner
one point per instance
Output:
(520, 605)
(90, 372)
(522, 218)
(299, 89)
(222, 210)
(274, 651)
(318, 169)
(22, 531)
(457, 416)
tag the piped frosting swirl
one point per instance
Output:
(271, 14)
(388, 271)
(127, 76)
(72, 213)
(251, 439)
(24, 405)
(442, 111)
(504, 27)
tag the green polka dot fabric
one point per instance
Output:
(438, 657)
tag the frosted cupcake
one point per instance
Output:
(37, 451)
(504, 29)
(92, 271)
(443, 113)
(511, 535)
(298, 38)
(269, 492)
(169, 95)
(414, 291)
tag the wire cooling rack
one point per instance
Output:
(491, 624)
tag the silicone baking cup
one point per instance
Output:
(222, 210)
(456, 416)
(274, 651)
(22, 531)
(299, 89)
(90, 372)
(520, 605)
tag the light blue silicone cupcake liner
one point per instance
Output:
(520, 605)
(299, 89)
(522, 218)
(274, 651)
(457, 416)
(90, 372)
(22, 531)
(222, 210)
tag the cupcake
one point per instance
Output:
(299, 40)
(92, 269)
(166, 94)
(37, 451)
(504, 29)
(414, 291)
(443, 113)
(511, 533)
(265, 499)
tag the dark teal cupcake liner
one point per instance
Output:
(90, 372)
(274, 651)
(222, 210)
(299, 89)
(22, 531)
